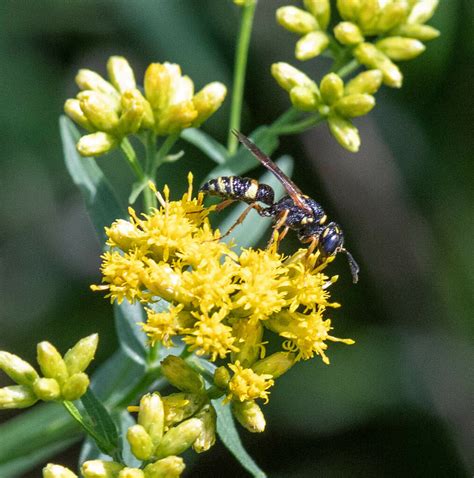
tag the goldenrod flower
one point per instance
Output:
(245, 384)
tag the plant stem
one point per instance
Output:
(348, 68)
(240, 67)
(160, 156)
(131, 158)
(149, 199)
(298, 127)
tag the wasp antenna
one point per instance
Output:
(355, 269)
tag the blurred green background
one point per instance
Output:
(399, 402)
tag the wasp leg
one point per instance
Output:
(312, 246)
(242, 217)
(278, 225)
(222, 205)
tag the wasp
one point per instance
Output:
(294, 211)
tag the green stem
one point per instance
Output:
(240, 67)
(149, 198)
(160, 156)
(131, 158)
(348, 68)
(298, 127)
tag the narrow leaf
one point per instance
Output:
(228, 434)
(207, 144)
(137, 188)
(101, 200)
(131, 337)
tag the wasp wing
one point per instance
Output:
(291, 188)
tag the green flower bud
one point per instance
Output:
(98, 110)
(348, 33)
(248, 334)
(169, 467)
(208, 100)
(179, 406)
(400, 48)
(57, 471)
(368, 55)
(311, 45)
(332, 88)
(176, 118)
(390, 16)
(181, 375)
(249, 415)
(296, 20)
(140, 442)
(422, 11)
(368, 15)
(349, 9)
(90, 80)
(47, 389)
(20, 371)
(355, 105)
(78, 358)
(75, 386)
(133, 112)
(321, 10)
(179, 438)
(158, 83)
(221, 377)
(275, 365)
(17, 396)
(366, 82)
(288, 77)
(207, 438)
(131, 473)
(345, 133)
(72, 107)
(416, 31)
(96, 144)
(152, 416)
(100, 469)
(121, 74)
(51, 363)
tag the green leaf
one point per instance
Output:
(90, 451)
(132, 339)
(105, 430)
(251, 231)
(30, 438)
(207, 144)
(228, 434)
(137, 188)
(101, 200)
(243, 161)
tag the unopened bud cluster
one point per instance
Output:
(111, 110)
(63, 377)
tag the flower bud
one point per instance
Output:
(75, 386)
(152, 416)
(422, 11)
(100, 469)
(249, 415)
(355, 105)
(296, 20)
(321, 10)
(207, 438)
(131, 473)
(348, 33)
(140, 442)
(176, 118)
(78, 358)
(221, 377)
(181, 375)
(368, 14)
(416, 31)
(158, 83)
(17, 369)
(96, 144)
(98, 110)
(179, 438)
(249, 334)
(72, 107)
(90, 80)
(169, 467)
(51, 363)
(133, 112)
(17, 396)
(368, 55)
(311, 45)
(57, 471)
(288, 77)
(121, 74)
(400, 48)
(366, 82)
(208, 100)
(275, 365)
(391, 15)
(349, 9)
(345, 133)
(179, 406)
(47, 389)
(332, 88)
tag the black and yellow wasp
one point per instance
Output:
(294, 211)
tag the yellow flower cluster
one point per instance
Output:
(220, 302)
(111, 110)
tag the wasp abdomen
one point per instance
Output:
(240, 189)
